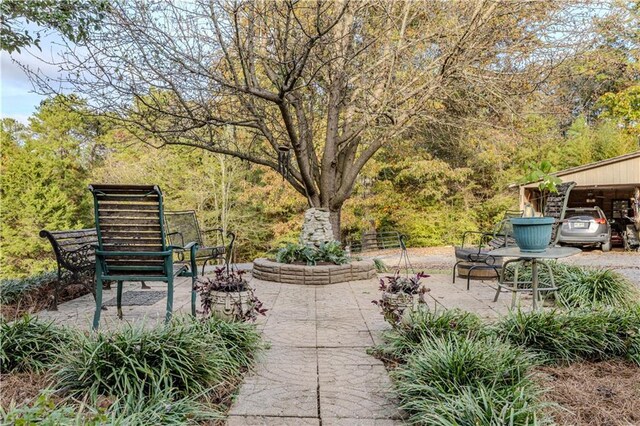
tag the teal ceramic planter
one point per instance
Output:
(532, 234)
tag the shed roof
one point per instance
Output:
(621, 170)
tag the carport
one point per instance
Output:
(608, 184)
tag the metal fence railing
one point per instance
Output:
(372, 241)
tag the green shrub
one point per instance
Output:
(29, 344)
(425, 325)
(185, 355)
(456, 380)
(11, 290)
(330, 252)
(559, 336)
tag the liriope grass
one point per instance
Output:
(173, 374)
(581, 287)
(567, 336)
(186, 355)
(461, 381)
(453, 369)
(12, 289)
(130, 410)
(425, 325)
(28, 344)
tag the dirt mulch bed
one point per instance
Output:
(21, 388)
(590, 394)
(40, 299)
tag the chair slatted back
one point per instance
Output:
(129, 219)
(186, 223)
(503, 233)
(556, 207)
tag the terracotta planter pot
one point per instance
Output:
(231, 305)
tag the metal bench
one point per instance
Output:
(74, 250)
(373, 241)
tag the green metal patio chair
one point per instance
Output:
(183, 226)
(132, 243)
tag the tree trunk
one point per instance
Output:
(334, 218)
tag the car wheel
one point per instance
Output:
(606, 246)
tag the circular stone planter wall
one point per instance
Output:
(267, 270)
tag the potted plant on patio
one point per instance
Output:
(228, 295)
(533, 234)
(401, 295)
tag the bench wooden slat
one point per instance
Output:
(133, 207)
(132, 230)
(105, 199)
(126, 221)
(131, 240)
(128, 247)
(150, 214)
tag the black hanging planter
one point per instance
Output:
(284, 154)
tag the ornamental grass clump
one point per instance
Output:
(580, 287)
(13, 289)
(564, 337)
(425, 325)
(456, 380)
(184, 355)
(29, 344)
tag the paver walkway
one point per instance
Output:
(317, 370)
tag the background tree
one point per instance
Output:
(43, 183)
(72, 18)
(333, 81)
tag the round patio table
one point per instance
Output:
(535, 259)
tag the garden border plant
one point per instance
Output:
(180, 373)
(328, 252)
(472, 385)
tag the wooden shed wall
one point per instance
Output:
(624, 172)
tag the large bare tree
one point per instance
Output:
(333, 81)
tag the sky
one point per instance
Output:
(18, 99)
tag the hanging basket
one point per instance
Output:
(232, 305)
(397, 307)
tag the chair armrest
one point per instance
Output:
(205, 231)
(178, 234)
(193, 249)
(483, 237)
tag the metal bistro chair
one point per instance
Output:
(477, 256)
(183, 226)
(132, 244)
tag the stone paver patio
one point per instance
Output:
(317, 370)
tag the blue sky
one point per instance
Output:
(18, 98)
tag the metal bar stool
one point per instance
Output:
(515, 285)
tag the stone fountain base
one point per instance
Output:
(267, 270)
